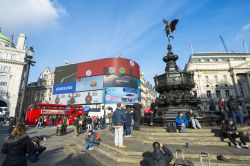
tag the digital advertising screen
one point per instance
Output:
(88, 97)
(108, 66)
(121, 81)
(69, 87)
(89, 83)
(121, 95)
(64, 74)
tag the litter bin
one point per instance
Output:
(59, 130)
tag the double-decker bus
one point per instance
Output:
(43, 109)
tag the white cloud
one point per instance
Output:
(246, 27)
(29, 15)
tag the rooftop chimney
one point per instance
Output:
(21, 41)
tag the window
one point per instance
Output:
(241, 91)
(206, 77)
(227, 93)
(216, 77)
(209, 95)
(218, 95)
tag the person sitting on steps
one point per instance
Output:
(157, 157)
(191, 116)
(181, 122)
(230, 131)
(90, 141)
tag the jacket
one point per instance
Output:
(157, 157)
(181, 120)
(16, 149)
(118, 117)
(189, 115)
(233, 104)
(128, 118)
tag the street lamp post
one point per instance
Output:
(28, 61)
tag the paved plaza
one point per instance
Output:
(65, 150)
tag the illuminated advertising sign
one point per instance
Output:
(121, 81)
(121, 95)
(89, 83)
(108, 66)
(64, 88)
(64, 74)
(87, 97)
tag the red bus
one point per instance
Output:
(43, 109)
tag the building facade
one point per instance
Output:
(40, 91)
(11, 69)
(148, 93)
(221, 75)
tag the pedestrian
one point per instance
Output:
(40, 122)
(128, 122)
(212, 106)
(119, 117)
(222, 109)
(234, 108)
(76, 126)
(89, 123)
(110, 116)
(192, 119)
(181, 122)
(15, 146)
(230, 131)
(158, 157)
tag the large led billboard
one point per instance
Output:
(64, 74)
(108, 66)
(64, 88)
(89, 83)
(88, 97)
(121, 95)
(121, 81)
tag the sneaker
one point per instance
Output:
(91, 148)
(122, 146)
(238, 147)
(244, 146)
(130, 136)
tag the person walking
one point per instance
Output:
(110, 116)
(89, 123)
(128, 122)
(40, 122)
(119, 117)
(234, 108)
(76, 126)
(15, 146)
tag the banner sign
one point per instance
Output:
(64, 88)
(52, 112)
(121, 81)
(121, 95)
(89, 83)
(108, 66)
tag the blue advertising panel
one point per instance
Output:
(64, 88)
(89, 83)
(121, 95)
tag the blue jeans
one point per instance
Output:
(235, 114)
(182, 128)
(127, 129)
(88, 145)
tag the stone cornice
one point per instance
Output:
(12, 62)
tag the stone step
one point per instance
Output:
(171, 138)
(165, 134)
(130, 158)
(182, 142)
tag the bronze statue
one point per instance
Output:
(170, 28)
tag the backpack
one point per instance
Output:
(171, 127)
(233, 104)
(98, 136)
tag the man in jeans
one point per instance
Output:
(118, 119)
(233, 105)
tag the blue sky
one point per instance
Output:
(82, 30)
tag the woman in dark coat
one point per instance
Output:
(16, 146)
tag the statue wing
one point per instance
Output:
(165, 21)
(173, 24)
